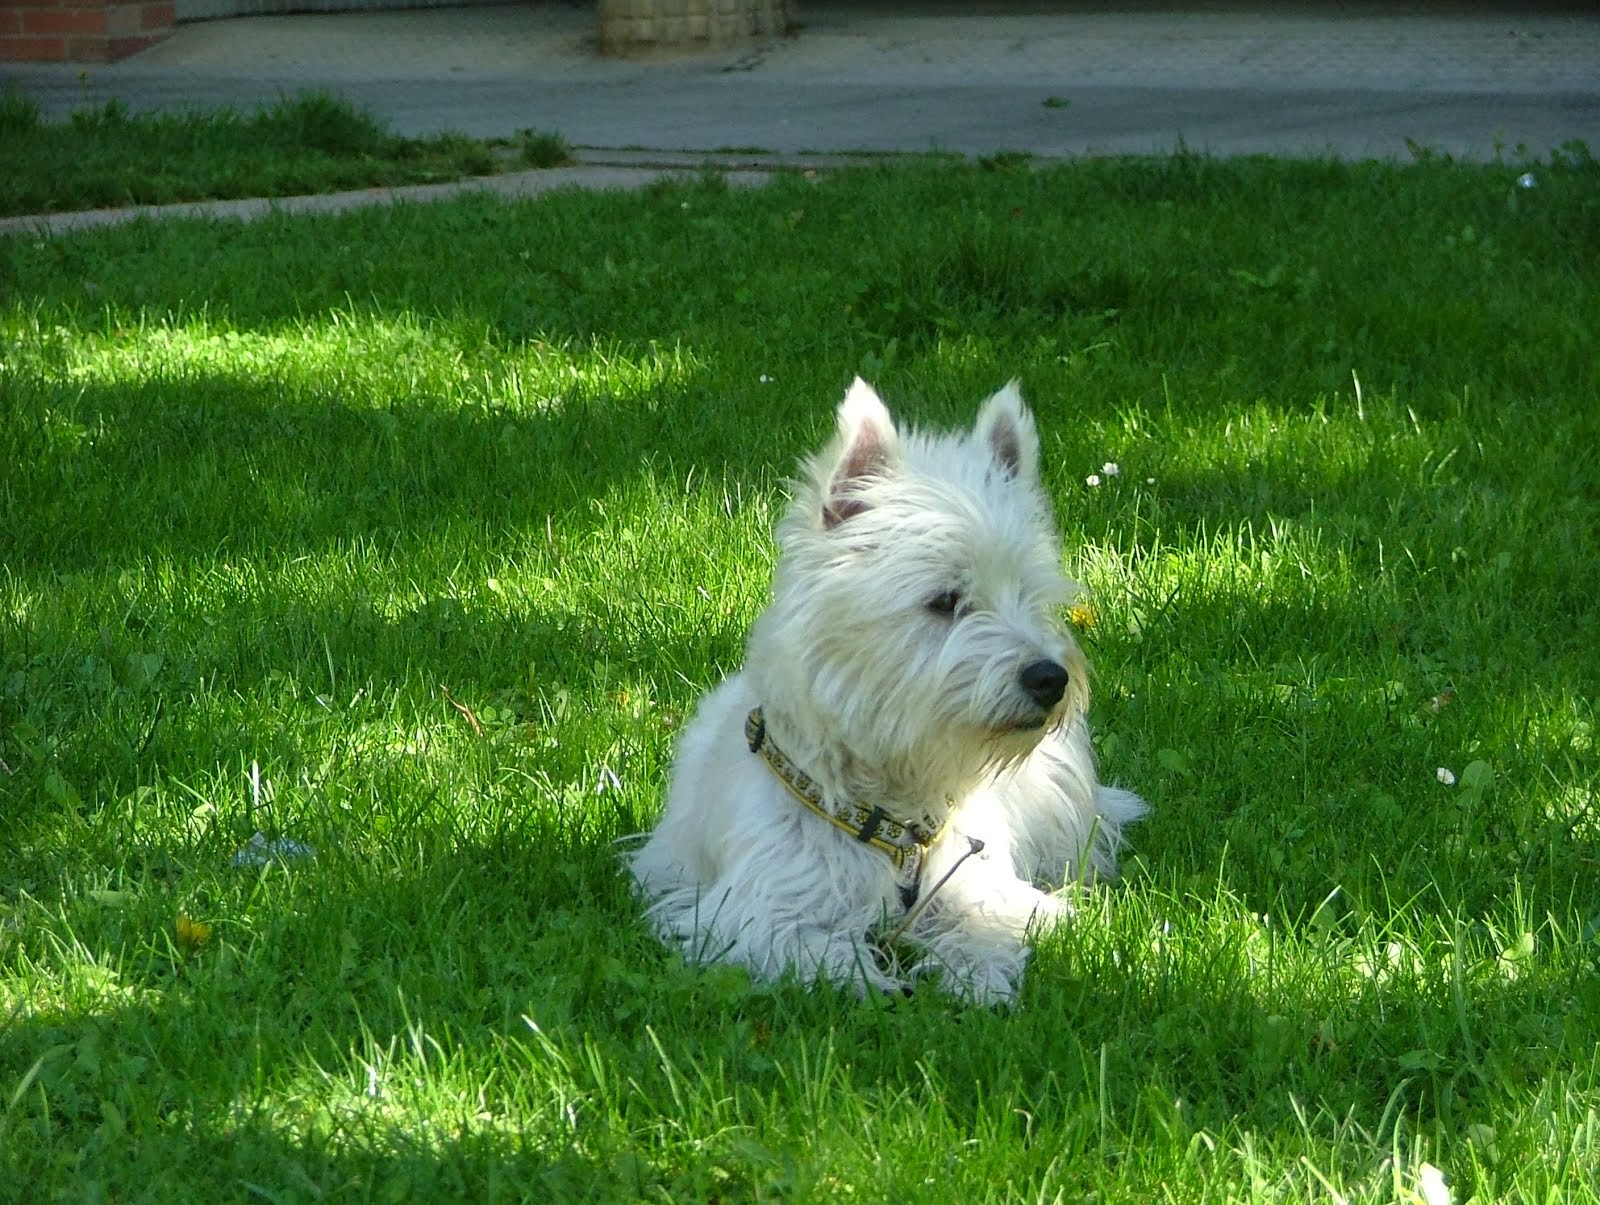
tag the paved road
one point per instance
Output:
(1052, 78)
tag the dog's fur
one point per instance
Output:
(905, 662)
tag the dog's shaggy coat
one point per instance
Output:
(914, 660)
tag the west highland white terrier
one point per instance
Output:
(904, 754)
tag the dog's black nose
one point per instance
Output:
(1045, 681)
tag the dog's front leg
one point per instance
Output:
(976, 926)
(844, 960)
(775, 919)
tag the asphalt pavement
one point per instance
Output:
(1055, 79)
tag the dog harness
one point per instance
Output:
(904, 843)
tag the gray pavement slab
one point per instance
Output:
(1052, 79)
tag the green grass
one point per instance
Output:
(308, 143)
(276, 498)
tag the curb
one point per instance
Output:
(596, 168)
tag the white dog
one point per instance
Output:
(909, 699)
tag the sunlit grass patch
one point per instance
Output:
(364, 358)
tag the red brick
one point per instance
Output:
(33, 49)
(89, 49)
(54, 21)
(134, 20)
(81, 30)
(113, 49)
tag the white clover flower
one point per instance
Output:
(1445, 776)
(1092, 480)
(1110, 468)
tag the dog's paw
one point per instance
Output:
(992, 986)
(987, 986)
(860, 969)
(883, 988)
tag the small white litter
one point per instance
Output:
(261, 849)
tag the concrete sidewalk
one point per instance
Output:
(1051, 78)
(621, 170)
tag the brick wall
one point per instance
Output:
(81, 30)
(206, 10)
(103, 30)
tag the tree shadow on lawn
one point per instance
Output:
(223, 461)
(350, 1029)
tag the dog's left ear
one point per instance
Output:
(1006, 428)
(865, 447)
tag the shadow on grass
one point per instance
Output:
(219, 462)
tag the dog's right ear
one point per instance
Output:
(1006, 428)
(867, 446)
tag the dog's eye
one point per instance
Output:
(946, 602)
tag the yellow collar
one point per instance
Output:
(902, 842)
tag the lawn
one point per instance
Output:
(310, 142)
(406, 538)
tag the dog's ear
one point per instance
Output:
(1006, 428)
(867, 446)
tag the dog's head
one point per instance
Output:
(919, 590)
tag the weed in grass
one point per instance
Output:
(19, 113)
(543, 148)
(321, 121)
(267, 492)
(465, 156)
(1006, 161)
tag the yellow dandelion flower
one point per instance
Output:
(192, 934)
(1082, 615)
